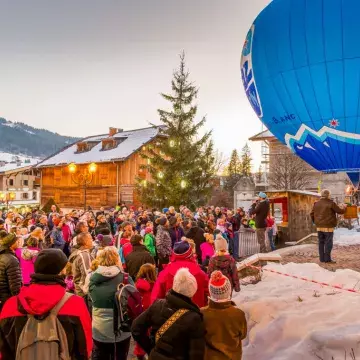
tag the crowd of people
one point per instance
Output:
(165, 278)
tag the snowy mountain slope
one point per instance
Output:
(22, 139)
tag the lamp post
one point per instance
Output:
(7, 198)
(82, 179)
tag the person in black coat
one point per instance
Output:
(138, 256)
(196, 233)
(101, 225)
(184, 339)
(10, 273)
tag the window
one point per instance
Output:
(25, 196)
(26, 182)
(11, 182)
(111, 143)
(34, 195)
(84, 146)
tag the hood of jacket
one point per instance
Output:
(104, 273)
(143, 285)
(223, 261)
(29, 253)
(39, 299)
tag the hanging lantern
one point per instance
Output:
(183, 184)
(160, 175)
(172, 143)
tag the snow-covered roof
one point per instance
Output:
(19, 166)
(267, 134)
(134, 140)
(304, 192)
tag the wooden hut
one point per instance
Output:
(291, 210)
(117, 158)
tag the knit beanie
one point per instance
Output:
(182, 250)
(163, 221)
(148, 230)
(219, 287)
(50, 262)
(7, 240)
(220, 243)
(106, 240)
(185, 283)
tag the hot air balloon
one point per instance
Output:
(300, 68)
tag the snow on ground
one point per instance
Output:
(290, 319)
(344, 237)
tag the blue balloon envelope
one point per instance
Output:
(300, 67)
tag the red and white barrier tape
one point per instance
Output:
(338, 287)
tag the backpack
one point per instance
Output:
(44, 338)
(128, 306)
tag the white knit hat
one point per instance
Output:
(185, 283)
(220, 243)
(219, 287)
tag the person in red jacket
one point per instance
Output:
(47, 288)
(145, 281)
(182, 257)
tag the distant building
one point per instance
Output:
(272, 148)
(19, 183)
(117, 158)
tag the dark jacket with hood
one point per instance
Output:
(10, 275)
(38, 300)
(138, 257)
(184, 339)
(227, 265)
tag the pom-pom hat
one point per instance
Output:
(219, 287)
(185, 283)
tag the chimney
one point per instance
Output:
(112, 131)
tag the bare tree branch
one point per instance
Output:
(288, 171)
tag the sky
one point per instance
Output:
(79, 67)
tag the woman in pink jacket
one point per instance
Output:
(27, 257)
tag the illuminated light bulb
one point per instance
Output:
(149, 161)
(72, 168)
(183, 184)
(172, 143)
(92, 168)
(160, 175)
(2, 196)
(144, 183)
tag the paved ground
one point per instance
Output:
(347, 257)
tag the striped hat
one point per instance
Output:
(219, 287)
(182, 250)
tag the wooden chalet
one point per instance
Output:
(117, 158)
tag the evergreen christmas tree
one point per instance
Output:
(182, 163)
(246, 161)
(234, 168)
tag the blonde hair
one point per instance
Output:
(109, 257)
(192, 244)
(38, 233)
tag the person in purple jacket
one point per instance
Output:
(27, 257)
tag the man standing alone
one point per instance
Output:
(261, 212)
(324, 216)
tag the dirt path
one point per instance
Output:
(347, 257)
